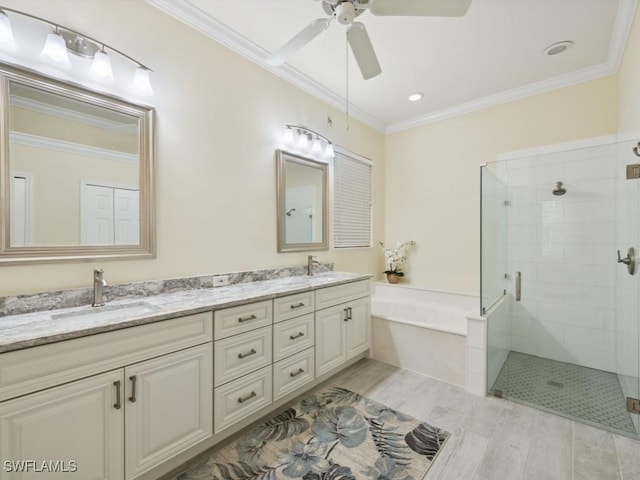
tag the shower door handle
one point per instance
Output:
(629, 260)
(518, 286)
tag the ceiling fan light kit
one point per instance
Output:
(345, 12)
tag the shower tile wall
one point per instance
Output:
(564, 247)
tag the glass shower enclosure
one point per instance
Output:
(560, 235)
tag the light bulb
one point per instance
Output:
(287, 136)
(142, 82)
(328, 150)
(7, 42)
(303, 141)
(316, 147)
(55, 50)
(101, 66)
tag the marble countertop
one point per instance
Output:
(39, 328)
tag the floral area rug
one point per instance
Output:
(333, 434)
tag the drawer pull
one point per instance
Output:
(297, 305)
(246, 319)
(298, 335)
(295, 374)
(244, 355)
(346, 314)
(350, 313)
(118, 404)
(134, 382)
(248, 397)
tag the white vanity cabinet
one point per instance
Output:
(343, 324)
(75, 422)
(155, 400)
(293, 343)
(242, 362)
(167, 406)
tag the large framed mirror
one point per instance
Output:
(76, 172)
(302, 203)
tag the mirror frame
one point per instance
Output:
(281, 188)
(45, 254)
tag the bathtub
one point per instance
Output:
(422, 330)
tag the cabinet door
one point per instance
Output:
(331, 347)
(168, 406)
(358, 327)
(75, 428)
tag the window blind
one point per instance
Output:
(352, 202)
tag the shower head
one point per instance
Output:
(559, 190)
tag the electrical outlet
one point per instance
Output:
(220, 280)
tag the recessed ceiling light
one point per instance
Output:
(414, 97)
(559, 47)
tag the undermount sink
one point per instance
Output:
(111, 312)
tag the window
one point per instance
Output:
(352, 201)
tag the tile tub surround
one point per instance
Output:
(19, 304)
(39, 328)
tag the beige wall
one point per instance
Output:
(629, 83)
(433, 175)
(219, 118)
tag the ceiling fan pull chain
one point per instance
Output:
(346, 51)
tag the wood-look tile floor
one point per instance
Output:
(494, 439)
(491, 439)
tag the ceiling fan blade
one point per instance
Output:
(363, 50)
(303, 37)
(420, 8)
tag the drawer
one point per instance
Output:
(293, 336)
(293, 306)
(242, 354)
(292, 373)
(330, 296)
(25, 371)
(240, 398)
(244, 318)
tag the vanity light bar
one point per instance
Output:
(306, 139)
(63, 40)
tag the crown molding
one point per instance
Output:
(194, 17)
(73, 115)
(189, 14)
(71, 147)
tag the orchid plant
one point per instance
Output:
(396, 256)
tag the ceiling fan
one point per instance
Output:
(345, 11)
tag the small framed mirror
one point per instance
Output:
(302, 203)
(75, 172)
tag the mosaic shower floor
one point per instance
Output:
(569, 389)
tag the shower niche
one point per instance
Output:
(554, 219)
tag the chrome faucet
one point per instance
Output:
(310, 262)
(98, 285)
